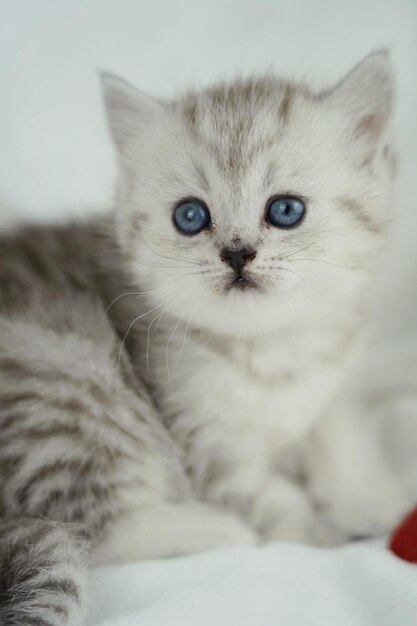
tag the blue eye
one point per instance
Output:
(191, 217)
(285, 212)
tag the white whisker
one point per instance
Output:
(281, 258)
(163, 256)
(141, 294)
(130, 326)
(157, 317)
(343, 267)
(187, 327)
(169, 341)
(152, 265)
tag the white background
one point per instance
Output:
(55, 157)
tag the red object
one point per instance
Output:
(403, 542)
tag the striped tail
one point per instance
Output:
(42, 574)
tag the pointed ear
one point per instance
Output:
(128, 109)
(366, 97)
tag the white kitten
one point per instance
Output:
(253, 214)
(249, 220)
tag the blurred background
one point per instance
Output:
(55, 155)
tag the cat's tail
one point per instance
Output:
(42, 574)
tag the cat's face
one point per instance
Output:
(247, 206)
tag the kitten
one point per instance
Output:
(161, 368)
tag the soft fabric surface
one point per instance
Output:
(360, 584)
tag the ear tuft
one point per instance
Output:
(366, 96)
(128, 109)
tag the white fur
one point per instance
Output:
(243, 377)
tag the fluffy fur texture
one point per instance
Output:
(149, 408)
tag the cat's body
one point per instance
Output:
(81, 443)
(256, 399)
(145, 371)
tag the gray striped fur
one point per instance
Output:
(81, 446)
(112, 423)
(42, 574)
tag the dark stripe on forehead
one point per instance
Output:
(190, 110)
(286, 103)
(224, 121)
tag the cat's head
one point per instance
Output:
(251, 204)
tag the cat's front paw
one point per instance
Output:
(364, 510)
(210, 529)
(363, 499)
(284, 512)
(306, 528)
(350, 476)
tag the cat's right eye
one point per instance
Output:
(191, 217)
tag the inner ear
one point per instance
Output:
(371, 125)
(365, 97)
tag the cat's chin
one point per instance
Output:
(246, 311)
(242, 328)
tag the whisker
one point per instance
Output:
(158, 317)
(208, 271)
(130, 326)
(152, 265)
(279, 268)
(122, 295)
(281, 258)
(169, 341)
(158, 306)
(344, 267)
(141, 294)
(187, 327)
(163, 256)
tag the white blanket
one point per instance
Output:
(360, 584)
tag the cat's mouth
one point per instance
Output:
(241, 283)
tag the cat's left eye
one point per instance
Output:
(191, 217)
(285, 211)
